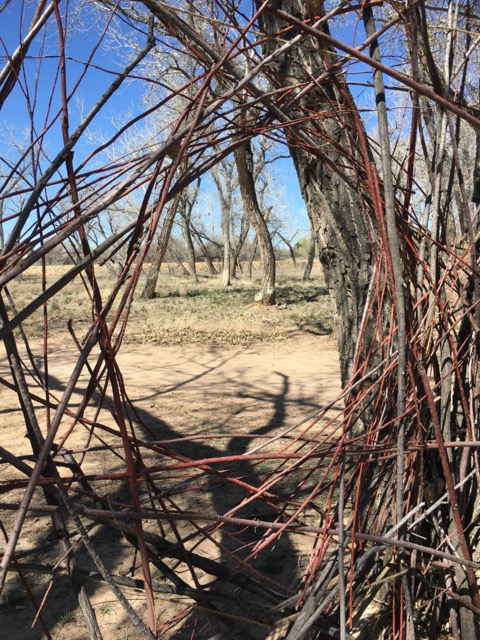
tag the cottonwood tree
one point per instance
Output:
(328, 171)
(337, 169)
(244, 162)
(181, 207)
(225, 182)
(158, 254)
(186, 212)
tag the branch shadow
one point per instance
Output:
(223, 487)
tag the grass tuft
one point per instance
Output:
(67, 617)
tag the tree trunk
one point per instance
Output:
(154, 271)
(188, 201)
(187, 236)
(206, 255)
(227, 252)
(176, 255)
(225, 189)
(311, 255)
(333, 205)
(244, 162)
(238, 249)
(290, 247)
(251, 259)
(344, 250)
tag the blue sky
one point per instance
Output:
(81, 39)
(44, 74)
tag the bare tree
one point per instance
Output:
(245, 170)
(160, 249)
(224, 180)
(329, 183)
(187, 204)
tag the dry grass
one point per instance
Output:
(188, 312)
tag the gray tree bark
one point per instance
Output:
(189, 198)
(157, 259)
(225, 193)
(311, 255)
(244, 163)
(187, 236)
(227, 251)
(333, 205)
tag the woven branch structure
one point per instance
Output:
(381, 485)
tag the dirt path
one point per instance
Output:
(218, 393)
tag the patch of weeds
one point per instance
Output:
(216, 295)
(186, 312)
(194, 293)
(107, 608)
(67, 617)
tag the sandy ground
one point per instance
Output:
(217, 393)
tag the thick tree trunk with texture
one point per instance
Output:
(244, 162)
(333, 204)
(344, 249)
